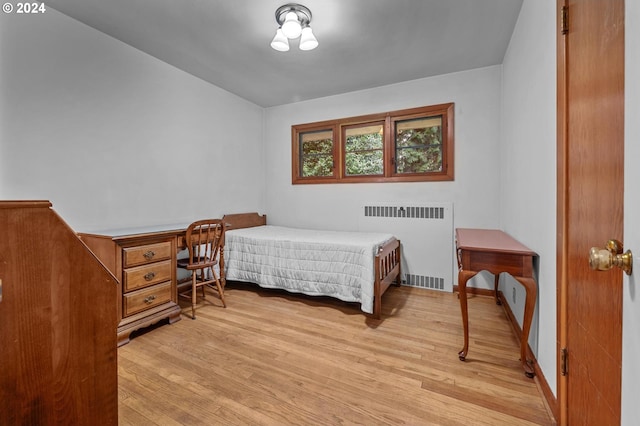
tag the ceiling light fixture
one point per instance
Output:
(293, 20)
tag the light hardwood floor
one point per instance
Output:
(273, 358)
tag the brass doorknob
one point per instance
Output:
(606, 258)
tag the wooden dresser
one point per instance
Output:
(144, 262)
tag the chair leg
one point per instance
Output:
(194, 290)
(221, 292)
(194, 294)
(219, 287)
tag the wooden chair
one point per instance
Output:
(204, 240)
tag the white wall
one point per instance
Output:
(631, 298)
(474, 192)
(528, 160)
(112, 135)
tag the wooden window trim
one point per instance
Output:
(389, 118)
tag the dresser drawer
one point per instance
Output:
(146, 275)
(139, 255)
(146, 298)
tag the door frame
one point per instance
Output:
(560, 410)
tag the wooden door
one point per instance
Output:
(590, 208)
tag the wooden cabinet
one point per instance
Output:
(58, 354)
(144, 262)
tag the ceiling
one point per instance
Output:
(363, 43)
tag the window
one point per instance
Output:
(317, 153)
(363, 150)
(400, 146)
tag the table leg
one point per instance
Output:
(530, 302)
(496, 283)
(463, 277)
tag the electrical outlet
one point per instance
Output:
(513, 295)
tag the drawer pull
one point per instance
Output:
(149, 276)
(149, 299)
(149, 255)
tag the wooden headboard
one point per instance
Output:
(244, 220)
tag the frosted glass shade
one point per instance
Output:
(307, 40)
(291, 26)
(280, 41)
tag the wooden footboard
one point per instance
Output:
(387, 271)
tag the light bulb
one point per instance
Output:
(291, 26)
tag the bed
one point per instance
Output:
(350, 266)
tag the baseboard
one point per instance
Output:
(551, 400)
(549, 397)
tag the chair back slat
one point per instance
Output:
(204, 238)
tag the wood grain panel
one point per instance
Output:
(146, 275)
(140, 300)
(516, 265)
(142, 254)
(591, 195)
(57, 316)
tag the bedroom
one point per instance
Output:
(98, 128)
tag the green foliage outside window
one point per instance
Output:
(364, 152)
(317, 157)
(419, 150)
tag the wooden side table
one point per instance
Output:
(495, 251)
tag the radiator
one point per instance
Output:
(426, 235)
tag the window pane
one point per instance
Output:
(363, 150)
(419, 145)
(364, 164)
(316, 153)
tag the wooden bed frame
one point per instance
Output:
(387, 260)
